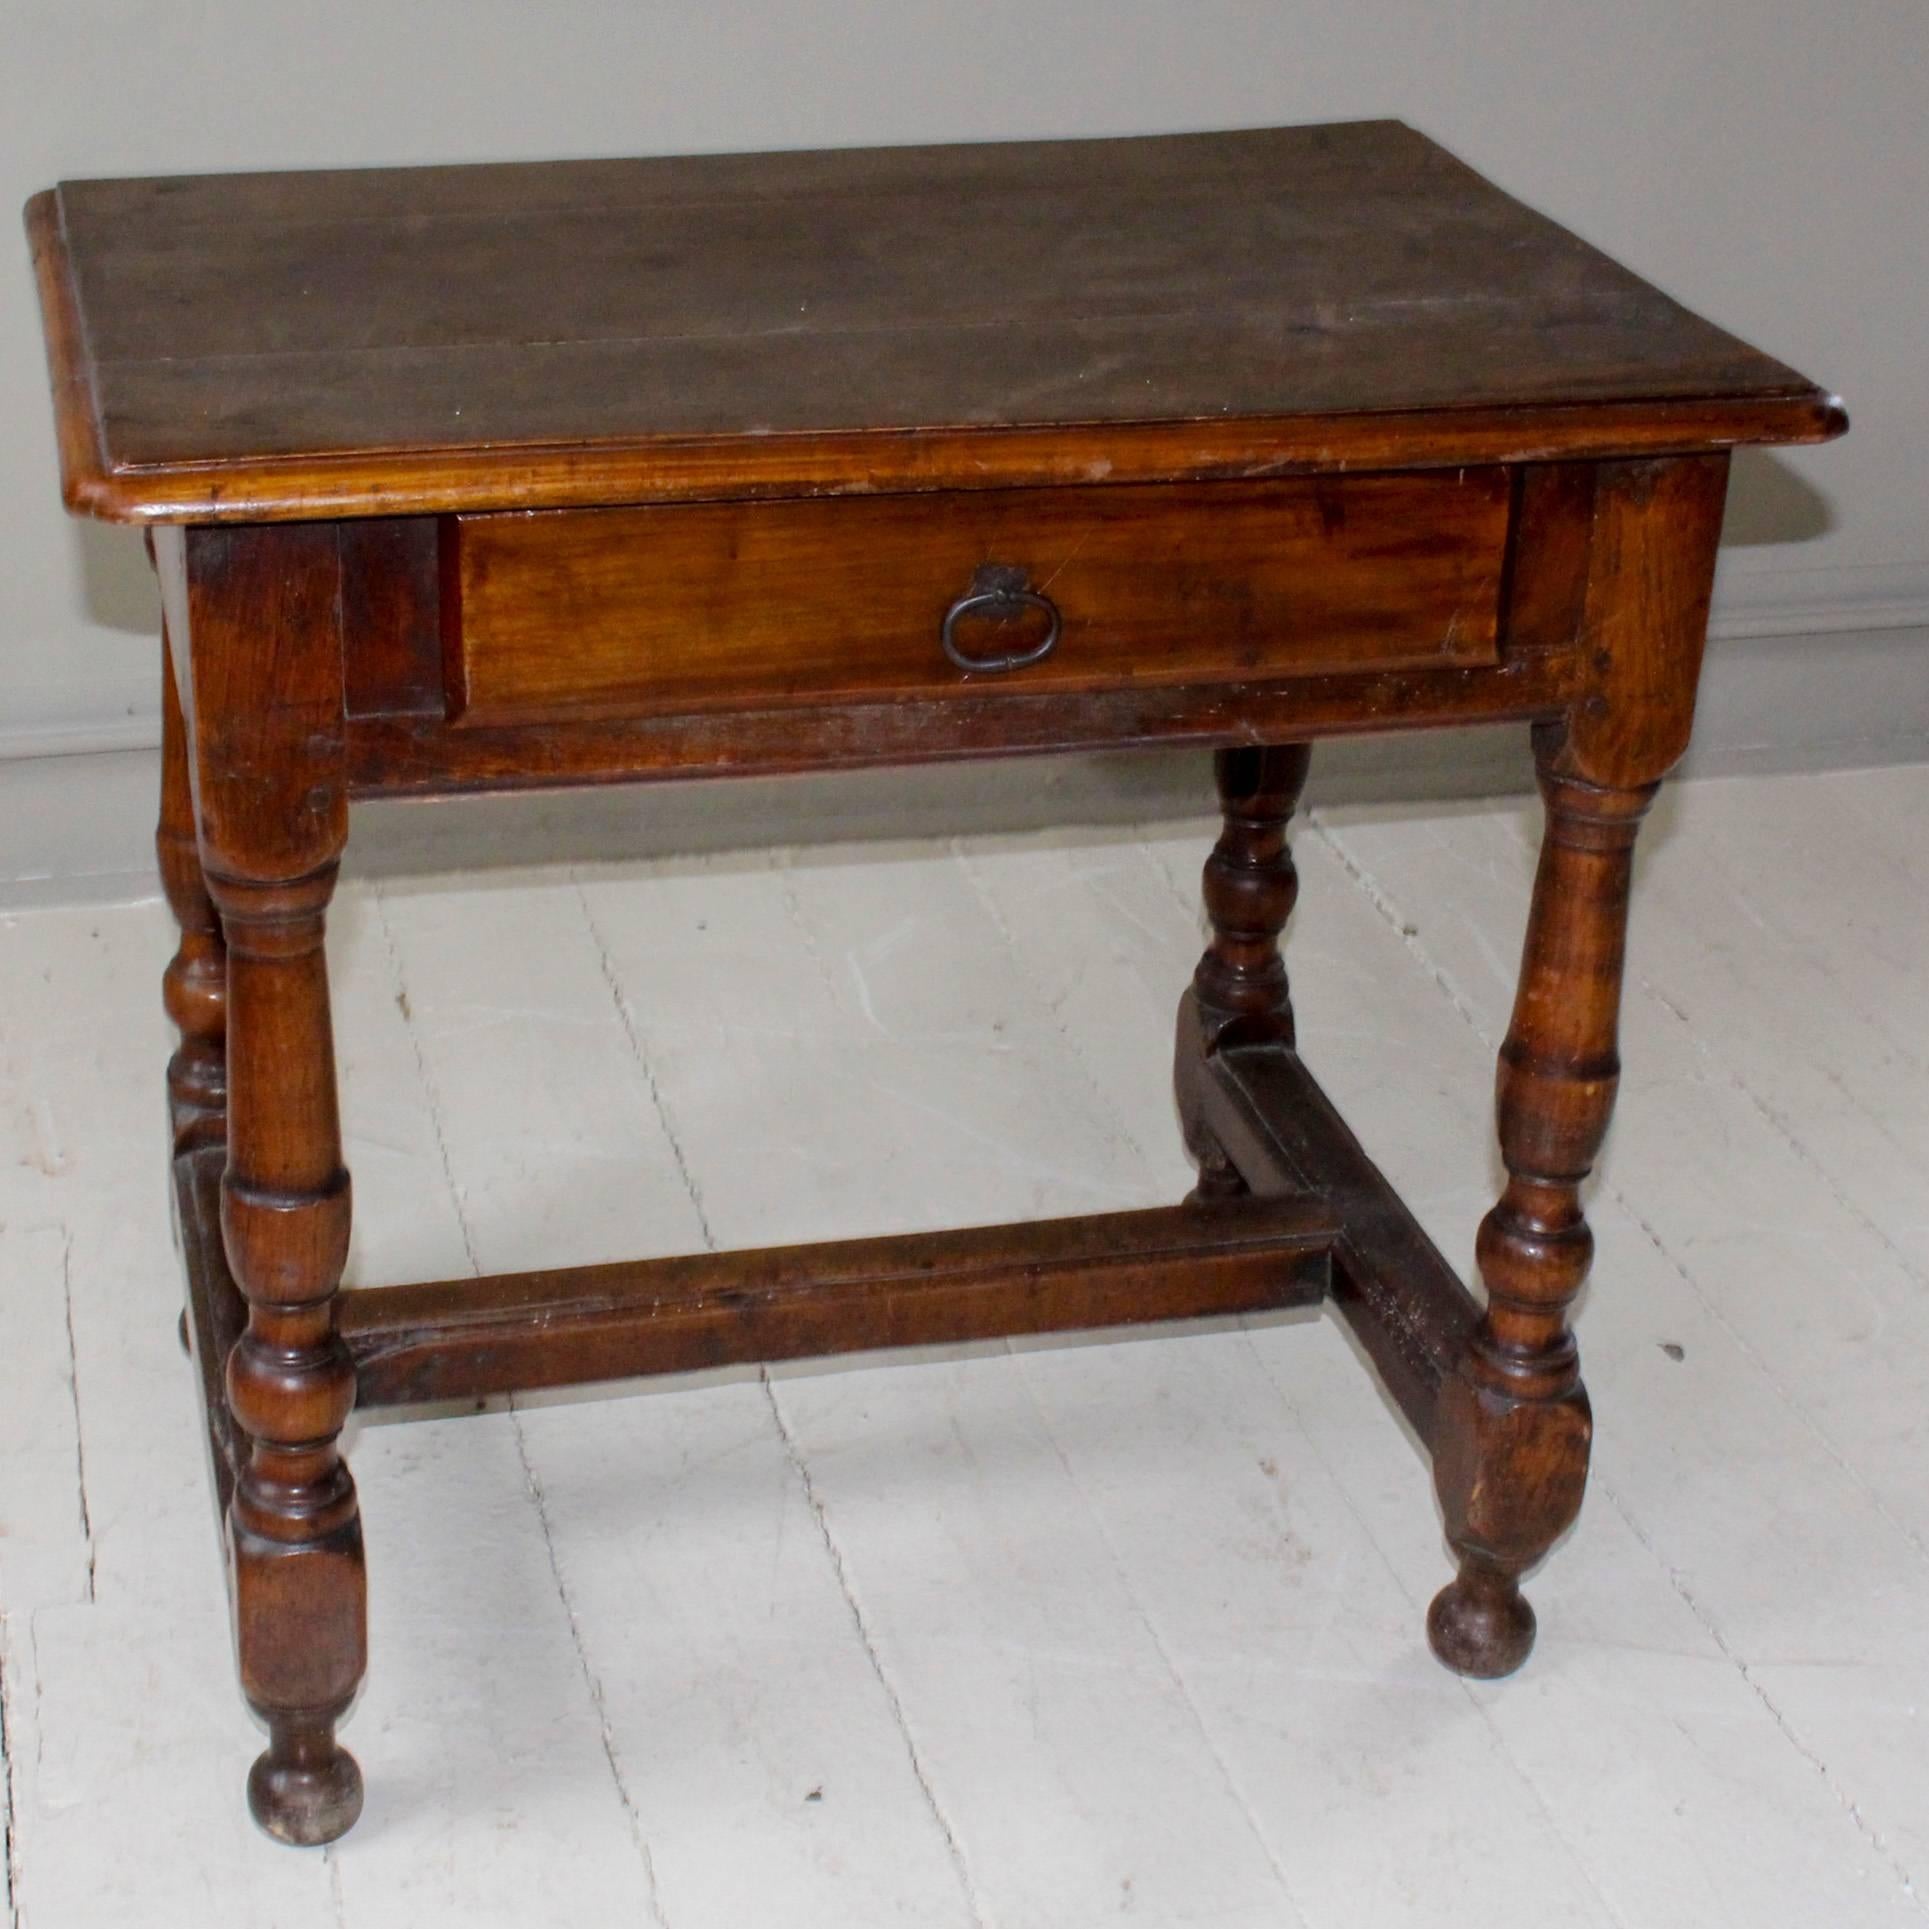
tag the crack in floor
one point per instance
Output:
(627, 1019)
(1383, 903)
(73, 1391)
(1781, 1127)
(1106, 1115)
(1310, 1437)
(1867, 1829)
(1233, 1787)
(920, 1773)
(1745, 1347)
(332, 1862)
(592, 1683)
(1444, 983)
(1193, 906)
(1371, 889)
(426, 1078)
(7, 1730)
(792, 1451)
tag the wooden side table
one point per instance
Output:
(468, 478)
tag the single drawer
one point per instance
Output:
(680, 608)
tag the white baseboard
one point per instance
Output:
(1818, 601)
(78, 828)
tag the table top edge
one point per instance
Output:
(420, 479)
(526, 477)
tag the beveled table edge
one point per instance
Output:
(340, 484)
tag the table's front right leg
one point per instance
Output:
(1514, 1430)
(1511, 1456)
(264, 721)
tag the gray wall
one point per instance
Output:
(1764, 160)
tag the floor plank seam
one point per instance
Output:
(1106, 1113)
(1409, 935)
(1783, 1130)
(1192, 905)
(1310, 1440)
(792, 1450)
(1386, 1800)
(592, 1683)
(73, 1392)
(1240, 1800)
(1619, 1198)
(627, 1019)
(8, 1765)
(1384, 904)
(652, 1894)
(1376, 895)
(1813, 1427)
(784, 868)
(398, 982)
(1872, 1835)
(954, 1846)
(332, 1861)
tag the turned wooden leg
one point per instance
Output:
(194, 990)
(194, 987)
(1239, 993)
(263, 708)
(1512, 1451)
(1512, 1426)
(295, 1532)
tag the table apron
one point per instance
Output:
(396, 756)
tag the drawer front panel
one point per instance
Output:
(681, 608)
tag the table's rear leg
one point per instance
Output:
(264, 715)
(194, 990)
(1239, 993)
(194, 987)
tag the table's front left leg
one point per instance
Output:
(295, 1531)
(265, 726)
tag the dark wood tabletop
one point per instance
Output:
(385, 341)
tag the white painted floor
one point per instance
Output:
(1047, 1635)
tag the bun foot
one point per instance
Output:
(1480, 1624)
(305, 1789)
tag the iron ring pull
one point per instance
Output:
(999, 590)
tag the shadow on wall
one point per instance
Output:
(116, 585)
(1770, 502)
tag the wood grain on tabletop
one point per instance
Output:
(234, 345)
